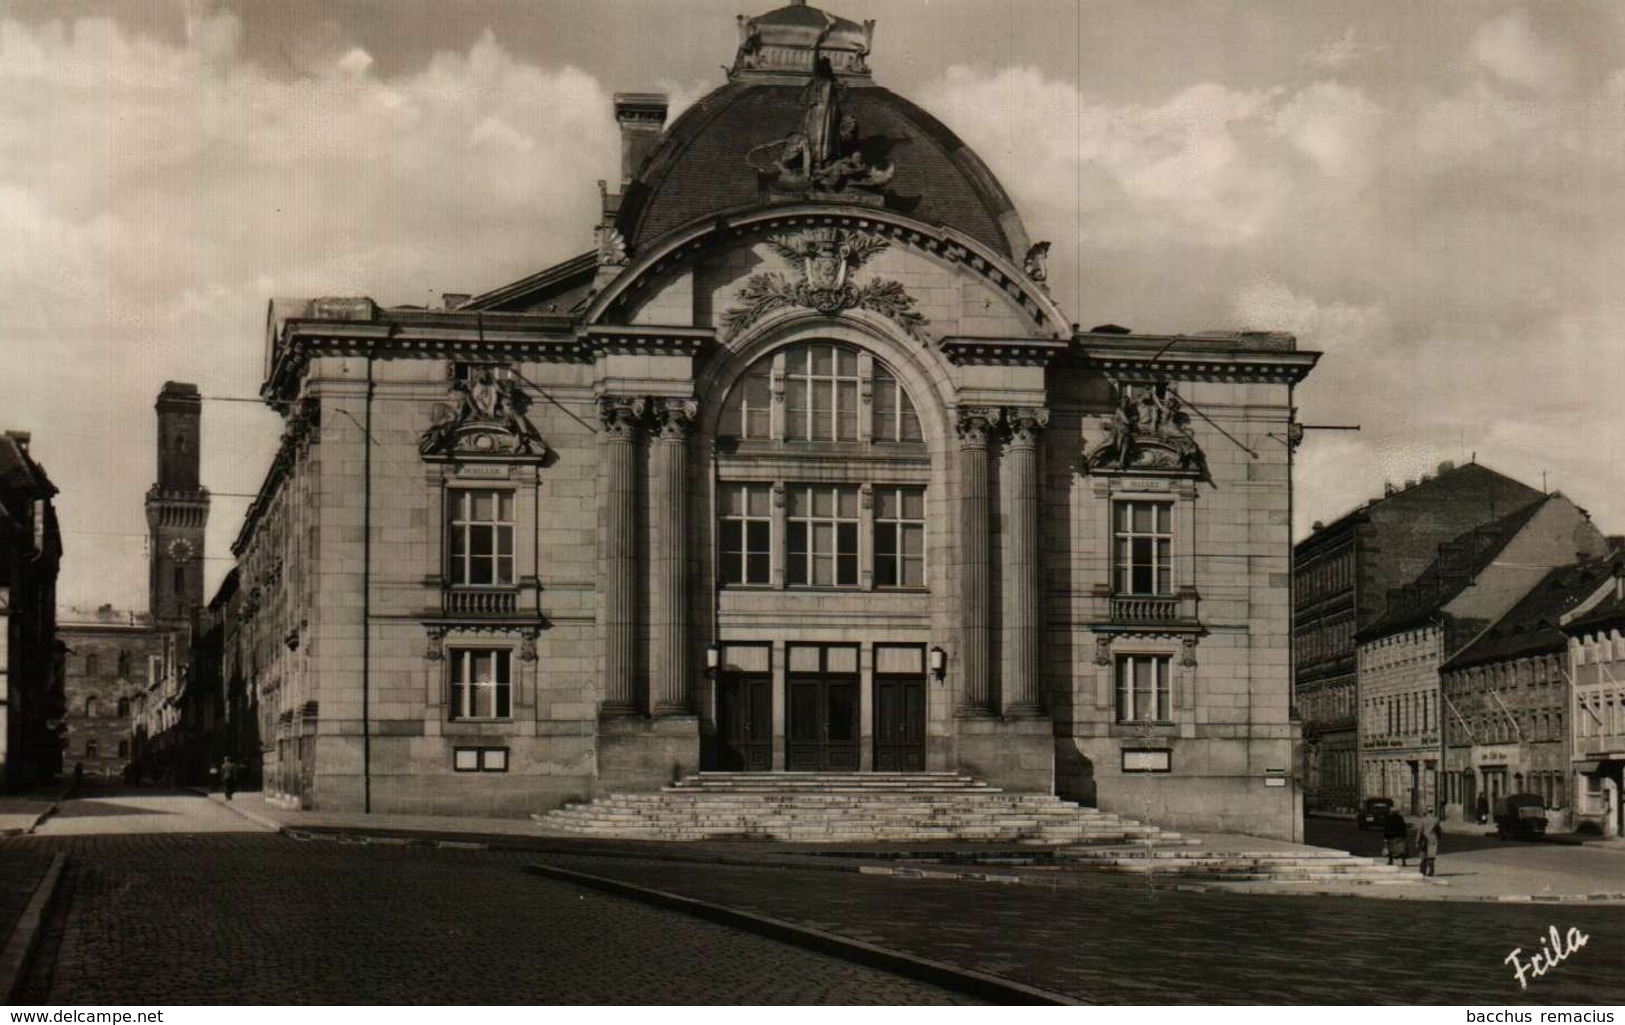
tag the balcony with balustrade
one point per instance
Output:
(1146, 611)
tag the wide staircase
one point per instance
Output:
(855, 807)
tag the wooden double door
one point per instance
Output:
(821, 689)
(822, 708)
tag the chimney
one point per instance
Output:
(1445, 467)
(641, 117)
(1388, 488)
(22, 438)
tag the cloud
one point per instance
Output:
(1449, 248)
(1335, 125)
(179, 187)
(1511, 50)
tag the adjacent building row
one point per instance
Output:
(1447, 655)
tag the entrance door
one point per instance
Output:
(821, 684)
(899, 708)
(745, 722)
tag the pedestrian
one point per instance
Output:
(1394, 829)
(228, 777)
(1483, 810)
(78, 775)
(1432, 831)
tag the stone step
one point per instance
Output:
(847, 807)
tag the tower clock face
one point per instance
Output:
(180, 550)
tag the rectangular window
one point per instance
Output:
(745, 533)
(1144, 692)
(821, 393)
(479, 543)
(822, 545)
(1144, 547)
(899, 537)
(480, 684)
(479, 759)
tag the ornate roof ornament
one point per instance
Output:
(1036, 262)
(1148, 432)
(484, 417)
(824, 258)
(824, 158)
(789, 39)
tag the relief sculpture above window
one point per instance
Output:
(484, 416)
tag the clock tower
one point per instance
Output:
(177, 508)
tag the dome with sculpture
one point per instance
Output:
(801, 117)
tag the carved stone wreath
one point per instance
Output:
(824, 258)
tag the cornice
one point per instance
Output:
(1032, 352)
(1145, 359)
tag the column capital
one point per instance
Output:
(975, 424)
(1025, 423)
(675, 417)
(622, 416)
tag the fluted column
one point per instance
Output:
(622, 417)
(669, 670)
(975, 425)
(1019, 690)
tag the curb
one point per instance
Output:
(922, 969)
(254, 817)
(19, 948)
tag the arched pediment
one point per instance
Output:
(819, 247)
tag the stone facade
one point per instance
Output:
(112, 655)
(808, 483)
(1342, 574)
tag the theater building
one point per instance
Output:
(799, 468)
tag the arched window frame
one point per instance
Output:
(792, 395)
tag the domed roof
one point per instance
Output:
(800, 120)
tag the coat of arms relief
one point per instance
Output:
(824, 259)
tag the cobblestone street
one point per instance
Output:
(226, 919)
(1112, 940)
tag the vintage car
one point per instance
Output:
(1373, 811)
(1520, 816)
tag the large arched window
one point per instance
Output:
(824, 386)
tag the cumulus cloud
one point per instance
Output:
(179, 187)
(1510, 49)
(1447, 247)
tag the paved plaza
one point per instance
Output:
(173, 898)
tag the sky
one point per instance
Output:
(1428, 193)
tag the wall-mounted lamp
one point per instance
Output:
(939, 662)
(713, 658)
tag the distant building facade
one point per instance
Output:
(126, 671)
(1595, 632)
(110, 657)
(1506, 701)
(1475, 580)
(31, 698)
(800, 469)
(1342, 576)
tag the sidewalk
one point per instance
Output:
(1525, 874)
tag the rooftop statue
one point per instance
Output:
(824, 157)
